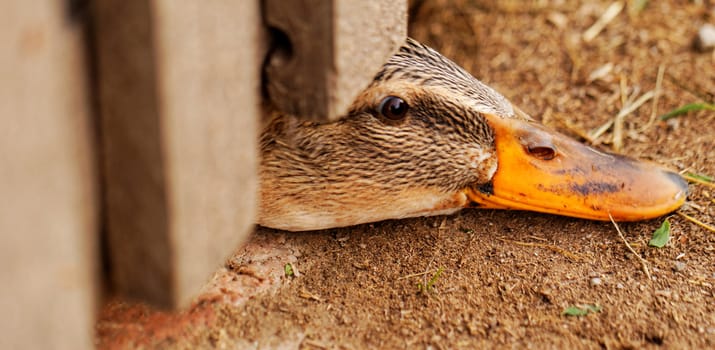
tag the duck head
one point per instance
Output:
(427, 138)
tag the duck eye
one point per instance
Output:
(393, 108)
(542, 152)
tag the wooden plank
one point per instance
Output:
(179, 96)
(47, 216)
(329, 51)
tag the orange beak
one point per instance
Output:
(544, 171)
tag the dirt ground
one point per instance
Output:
(505, 277)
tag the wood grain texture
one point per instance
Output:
(179, 85)
(334, 50)
(47, 211)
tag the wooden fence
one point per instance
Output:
(132, 125)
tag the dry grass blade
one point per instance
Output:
(618, 122)
(697, 180)
(623, 91)
(600, 72)
(417, 274)
(620, 118)
(574, 129)
(628, 109)
(611, 12)
(617, 137)
(310, 296)
(314, 343)
(572, 46)
(696, 221)
(553, 248)
(644, 263)
(656, 97)
(596, 133)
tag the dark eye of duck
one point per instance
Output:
(393, 108)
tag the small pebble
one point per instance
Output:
(706, 38)
(673, 124)
(558, 19)
(620, 286)
(664, 293)
(596, 281)
(679, 266)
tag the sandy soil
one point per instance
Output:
(506, 277)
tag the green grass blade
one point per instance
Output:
(701, 177)
(690, 107)
(434, 278)
(581, 311)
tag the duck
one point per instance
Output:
(427, 138)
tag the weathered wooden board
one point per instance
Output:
(333, 50)
(47, 210)
(179, 89)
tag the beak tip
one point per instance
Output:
(676, 188)
(679, 182)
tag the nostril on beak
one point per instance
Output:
(542, 152)
(538, 143)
